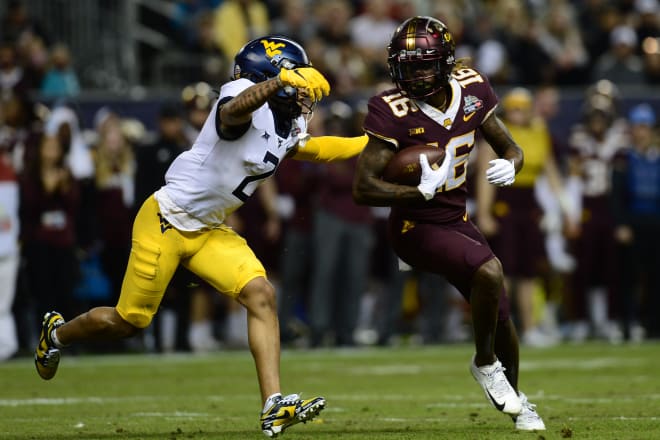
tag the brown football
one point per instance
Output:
(404, 167)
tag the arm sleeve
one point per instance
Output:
(330, 148)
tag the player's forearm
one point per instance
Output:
(514, 153)
(501, 141)
(370, 189)
(239, 109)
(373, 191)
(506, 148)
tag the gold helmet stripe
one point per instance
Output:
(410, 36)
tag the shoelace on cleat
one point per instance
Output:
(498, 386)
(289, 400)
(529, 406)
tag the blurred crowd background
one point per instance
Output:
(98, 97)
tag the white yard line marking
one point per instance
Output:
(545, 365)
(440, 419)
(385, 370)
(617, 418)
(72, 400)
(590, 364)
(105, 400)
(448, 400)
(393, 397)
(175, 414)
(599, 400)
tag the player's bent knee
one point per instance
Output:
(108, 321)
(258, 293)
(490, 274)
(134, 321)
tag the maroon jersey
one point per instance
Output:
(405, 122)
(595, 157)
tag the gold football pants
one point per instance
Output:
(220, 257)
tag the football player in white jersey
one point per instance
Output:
(259, 119)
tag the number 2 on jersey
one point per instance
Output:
(239, 191)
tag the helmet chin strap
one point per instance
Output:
(285, 118)
(303, 136)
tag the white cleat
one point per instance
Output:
(528, 419)
(497, 388)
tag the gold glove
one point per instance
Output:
(307, 78)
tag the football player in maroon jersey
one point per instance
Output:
(593, 145)
(438, 101)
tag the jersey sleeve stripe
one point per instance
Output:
(490, 112)
(385, 138)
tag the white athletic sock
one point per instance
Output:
(56, 342)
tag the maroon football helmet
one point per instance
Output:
(421, 56)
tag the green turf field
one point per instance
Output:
(593, 391)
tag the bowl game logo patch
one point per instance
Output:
(471, 104)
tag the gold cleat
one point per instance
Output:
(46, 355)
(288, 411)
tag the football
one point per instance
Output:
(404, 169)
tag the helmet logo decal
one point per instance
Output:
(272, 48)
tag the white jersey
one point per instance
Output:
(216, 176)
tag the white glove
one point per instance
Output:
(501, 172)
(432, 179)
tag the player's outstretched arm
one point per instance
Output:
(238, 110)
(329, 148)
(369, 188)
